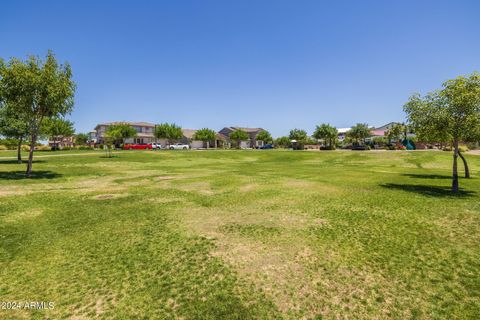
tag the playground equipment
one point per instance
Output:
(409, 144)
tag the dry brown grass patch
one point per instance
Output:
(109, 196)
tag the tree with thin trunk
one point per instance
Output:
(13, 126)
(328, 134)
(37, 90)
(238, 136)
(113, 134)
(57, 129)
(451, 114)
(264, 136)
(121, 131)
(168, 131)
(395, 133)
(206, 135)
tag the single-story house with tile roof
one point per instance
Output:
(189, 138)
(252, 133)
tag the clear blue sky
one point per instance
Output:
(275, 64)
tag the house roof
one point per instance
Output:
(343, 130)
(221, 136)
(132, 123)
(378, 133)
(386, 126)
(189, 133)
(248, 130)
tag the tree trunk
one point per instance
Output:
(465, 164)
(30, 155)
(19, 150)
(455, 170)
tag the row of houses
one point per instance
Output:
(146, 134)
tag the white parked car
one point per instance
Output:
(179, 146)
(156, 146)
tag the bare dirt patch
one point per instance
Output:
(10, 192)
(161, 178)
(249, 187)
(22, 215)
(278, 266)
(109, 196)
(309, 186)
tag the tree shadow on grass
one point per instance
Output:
(20, 175)
(431, 191)
(14, 161)
(426, 176)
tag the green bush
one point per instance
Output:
(327, 148)
(11, 144)
(2, 147)
(85, 148)
(25, 147)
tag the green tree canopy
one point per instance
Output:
(298, 134)
(451, 114)
(81, 138)
(300, 137)
(238, 136)
(327, 133)
(119, 132)
(169, 131)
(396, 132)
(13, 126)
(359, 132)
(37, 90)
(264, 136)
(283, 142)
(206, 135)
(56, 128)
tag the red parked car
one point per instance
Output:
(137, 146)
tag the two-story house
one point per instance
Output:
(145, 132)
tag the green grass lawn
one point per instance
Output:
(240, 235)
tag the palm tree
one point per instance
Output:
(326, 133)
(359, 132)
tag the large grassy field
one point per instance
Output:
(240, 235)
